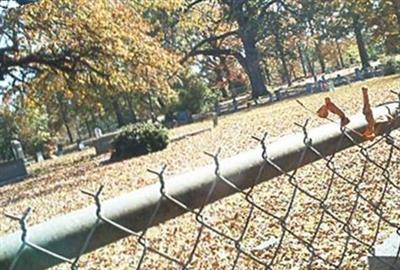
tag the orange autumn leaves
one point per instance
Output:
(330, 107)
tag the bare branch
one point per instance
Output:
(205, 41)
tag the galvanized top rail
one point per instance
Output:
(88, 229)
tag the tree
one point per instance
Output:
(384, 22)
(246, 20)
(353, 14)
(76, 53)
(8, 131)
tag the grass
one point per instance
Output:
(53, 189)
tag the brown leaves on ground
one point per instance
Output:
(53, 189)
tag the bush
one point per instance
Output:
(139, 139)
(195, 96)
(391, 67)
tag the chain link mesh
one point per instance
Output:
(359, 185)
(266, 233)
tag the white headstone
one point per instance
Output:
(331, 86)
(39, 156)
(17, 149)
(81, 146)
(98, 132)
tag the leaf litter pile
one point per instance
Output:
(53, 189)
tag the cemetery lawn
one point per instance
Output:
(54, 186)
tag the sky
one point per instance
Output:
(5, 4)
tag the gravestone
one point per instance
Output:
(386, 254)
(17, 150)
(60, 150)
(81, 146)
(183, 117)
(309, 88)
(12, 171)
(278, 94)
(234, 104)
(15, 170)
(39, 156)
(367, 73)
(358, 74)
(323, 84)
(331, 86)
(103, 144)
(215, 119)
(217, 107)
(98, 132)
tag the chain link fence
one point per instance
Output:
(322, 199)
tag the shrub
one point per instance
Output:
(139, 139)
(195, 96)
(391, 67)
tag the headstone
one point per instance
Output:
(98, 132)
(378, 72)
(215, 119)
(278, 94)
(81, 146)
(217, 108)
(386, 254)
(234, 104)
(183, 117)
(256, 101)
(60, 149)
(17, 149)
(39, 156)
(12, 171)
(324, 84)
(358, 74)
(309, 88)
(331, 86)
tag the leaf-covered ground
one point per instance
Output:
(53, 189)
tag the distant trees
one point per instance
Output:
(80, 55)
(245, 22)
(110, 63)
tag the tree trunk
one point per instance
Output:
(71, 139)
(362, 50)
(93, 119)
(303, 64)
(318, 50)
(320, 56)
(89, 129)
(293, 72)
(64, 117)
(221, 70)
(311, 66)
(281, 53)
(118, 113)
(152, 113)
(130, 107)
(340, 54)
(78, 132)
(252, 66)
(396, 6)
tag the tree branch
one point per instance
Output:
(192, 5)
(205, 41)
(221, 52)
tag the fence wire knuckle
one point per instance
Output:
(255, 200)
